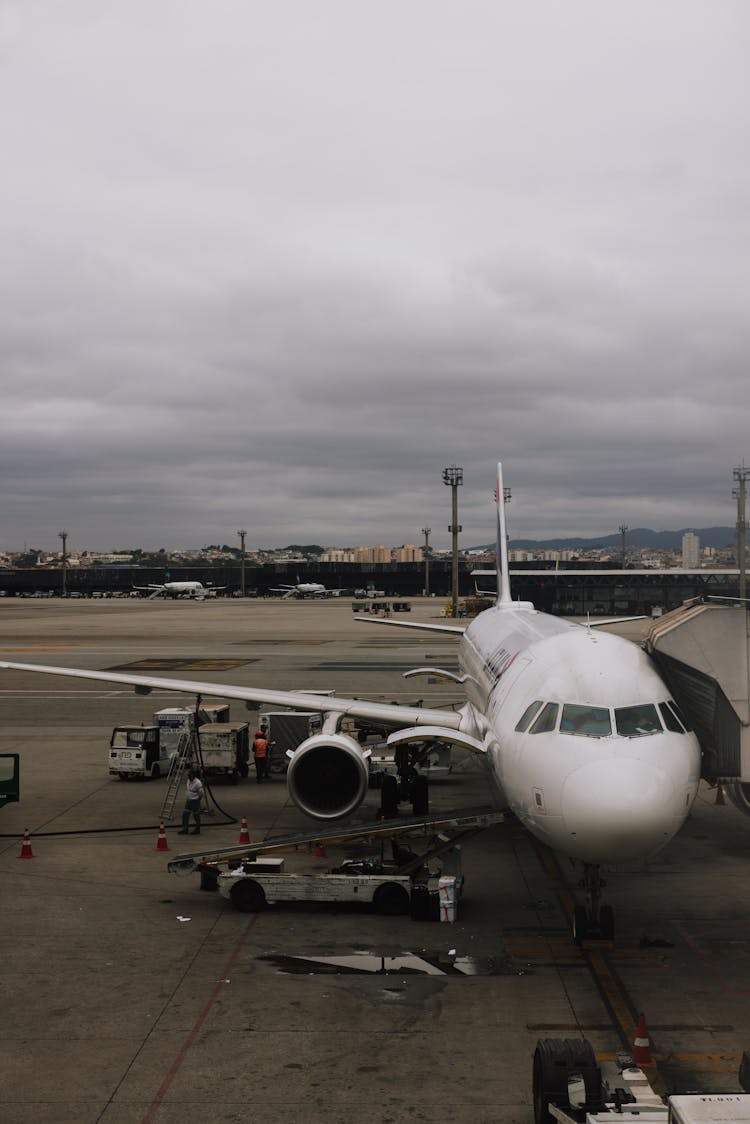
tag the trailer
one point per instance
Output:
(287, 729)
(224, 750)
(571, 1087)
(424, 880)
(176, 721)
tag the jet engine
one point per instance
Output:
(328, 776)
(739, 793)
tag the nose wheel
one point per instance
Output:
(593, 921)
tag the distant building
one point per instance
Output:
(408, 553)
(691, 551)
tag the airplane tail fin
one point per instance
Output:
(503, 576)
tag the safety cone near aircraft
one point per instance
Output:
(642, 1055)
(719, 794)
(26, 851)
(161, 840)
(244, 832)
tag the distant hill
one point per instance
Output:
(636, 538)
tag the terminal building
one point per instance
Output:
(563, 588)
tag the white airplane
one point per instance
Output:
(180, 589)
(305, 589)
(577, 731)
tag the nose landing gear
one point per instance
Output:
(593, 921)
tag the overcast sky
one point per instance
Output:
(275, 266)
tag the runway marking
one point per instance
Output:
(709, 962)
(173, 1070)
(191, 664)
(57, 648)
(695, 1063)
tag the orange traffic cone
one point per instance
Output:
(244, 833)
(642, 1055)
(719, 794)
(26, 851)
(320, 851)
(161, 842)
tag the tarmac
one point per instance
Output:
(131, 995)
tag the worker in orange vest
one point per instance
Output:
(260, 753)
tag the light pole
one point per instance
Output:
(623, 532)
(64, 536)
(242, 561)
(426, 531)
(453, 477)
(740, 475)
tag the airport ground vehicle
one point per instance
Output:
(422, 876)
(224, 750)
(265, 882)
(569, 1086)
(175, 721)
(139, 751)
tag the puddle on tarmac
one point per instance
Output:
(426, 963)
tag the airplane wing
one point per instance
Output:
(387, 713)
(454, 629)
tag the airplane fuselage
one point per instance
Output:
(602, 769)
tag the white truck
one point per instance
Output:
(263, 882)
(224, 749)
(570, 1087)
(139, 751)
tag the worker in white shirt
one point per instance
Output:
(192, 804)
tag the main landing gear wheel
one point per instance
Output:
(248, 896)
(391, 899)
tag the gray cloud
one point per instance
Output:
(277, 268)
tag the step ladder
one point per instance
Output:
(181, 760)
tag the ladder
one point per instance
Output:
(181, 759)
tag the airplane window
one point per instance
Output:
(673, 706)
(635, 721)
(528, 714)
(547, 720)
(670, 719)
(588, 721)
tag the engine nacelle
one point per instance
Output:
(328, 776)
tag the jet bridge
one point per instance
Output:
(703, 652)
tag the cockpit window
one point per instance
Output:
(528, 714)
(673, 706)
(547, 720)
(670, 719)
(588, 721)
(636, 721)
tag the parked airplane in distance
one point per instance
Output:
(579, 736)
(305, 589)
(197, 590)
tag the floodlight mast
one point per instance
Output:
(242, 561)
(740, 475)
(453, 477)
(427, 531)
(623, 532)
(64, 536)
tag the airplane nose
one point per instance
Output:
(618, 809)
